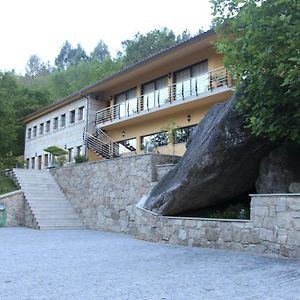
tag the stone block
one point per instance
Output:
(227, 235)
(266, 235)
(182, 235)
(212, 234)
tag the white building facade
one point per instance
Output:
(62, 127)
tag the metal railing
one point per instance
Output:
(103, 145)
(179, 91)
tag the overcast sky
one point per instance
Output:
(41, 26)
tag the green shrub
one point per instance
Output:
(80, 159)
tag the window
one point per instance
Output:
(181, 135)
(80, 113)
(46, 160)
(55, 123)
(79, 150)
(33, 163)
(63, 120)
(70, 156)
(155, 93)
(29, 133)
(34, 132)
(192, 81)
(48, 123)
(157, 139)
(27, 163)
(72, 117)
(128, 103)
(126, 145)
(41, 131)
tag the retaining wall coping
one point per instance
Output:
(11, 194)
(195, 218)
(275, 195)
(113, 159)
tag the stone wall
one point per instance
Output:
(18, 212)
(107, 195)
(276, 219)
(104, 193)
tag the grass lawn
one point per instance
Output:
(6, 184)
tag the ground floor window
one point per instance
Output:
(156, 139)
(27, 163)
(33, 163)
(70, 156)
(79, 151)
(181, 135)
(46, 160)
(127, 144)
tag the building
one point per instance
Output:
(140, 105)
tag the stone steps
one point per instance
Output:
(48, 204)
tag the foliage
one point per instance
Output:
(100, 52)
(260, 41)
(143, 46)
(60, 160)
(6, 184)
(80, 159)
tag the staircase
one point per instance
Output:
(103, 145)
(48, 204)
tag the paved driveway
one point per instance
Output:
(100, 265)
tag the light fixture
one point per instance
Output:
(123, 133)
(188, 118)
(169, 75)
(65, 146)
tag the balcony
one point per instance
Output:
(190, 89)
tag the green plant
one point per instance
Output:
(80, 159)
(170, 128)
(60, 160)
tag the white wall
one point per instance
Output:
(66, 137)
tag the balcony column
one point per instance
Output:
(112, 103)
(139, 97)
(171, 79)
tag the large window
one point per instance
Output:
(70, 155)
(157, 139)
(29, 133)
(63, 120)
(80, 113)
(128, 103)
(191, 81)
(34, 132)
(46, 160)
(127, 145)
(55, 123)
(41, 131)
(155, 93)
(181, 135)
(72, 117)
(48, 123)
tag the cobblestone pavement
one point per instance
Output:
(86, 264)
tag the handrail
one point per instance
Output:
(181, 90)
(103, 145)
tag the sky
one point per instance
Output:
(42, 26)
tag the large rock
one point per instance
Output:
(279, 171)
(221, 162)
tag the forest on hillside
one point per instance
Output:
(44, 83)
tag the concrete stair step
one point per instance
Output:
(58, 227)
(48, 204)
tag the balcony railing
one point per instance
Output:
(179, 91)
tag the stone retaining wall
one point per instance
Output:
(106, 194)
(18, 212)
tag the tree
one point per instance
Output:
(34, 65)
(260, 41)
(63, 58)
(143, 46)
(100, 52)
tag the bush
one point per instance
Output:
(80, 159)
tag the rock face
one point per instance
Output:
(221, 162)
(279, 172)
